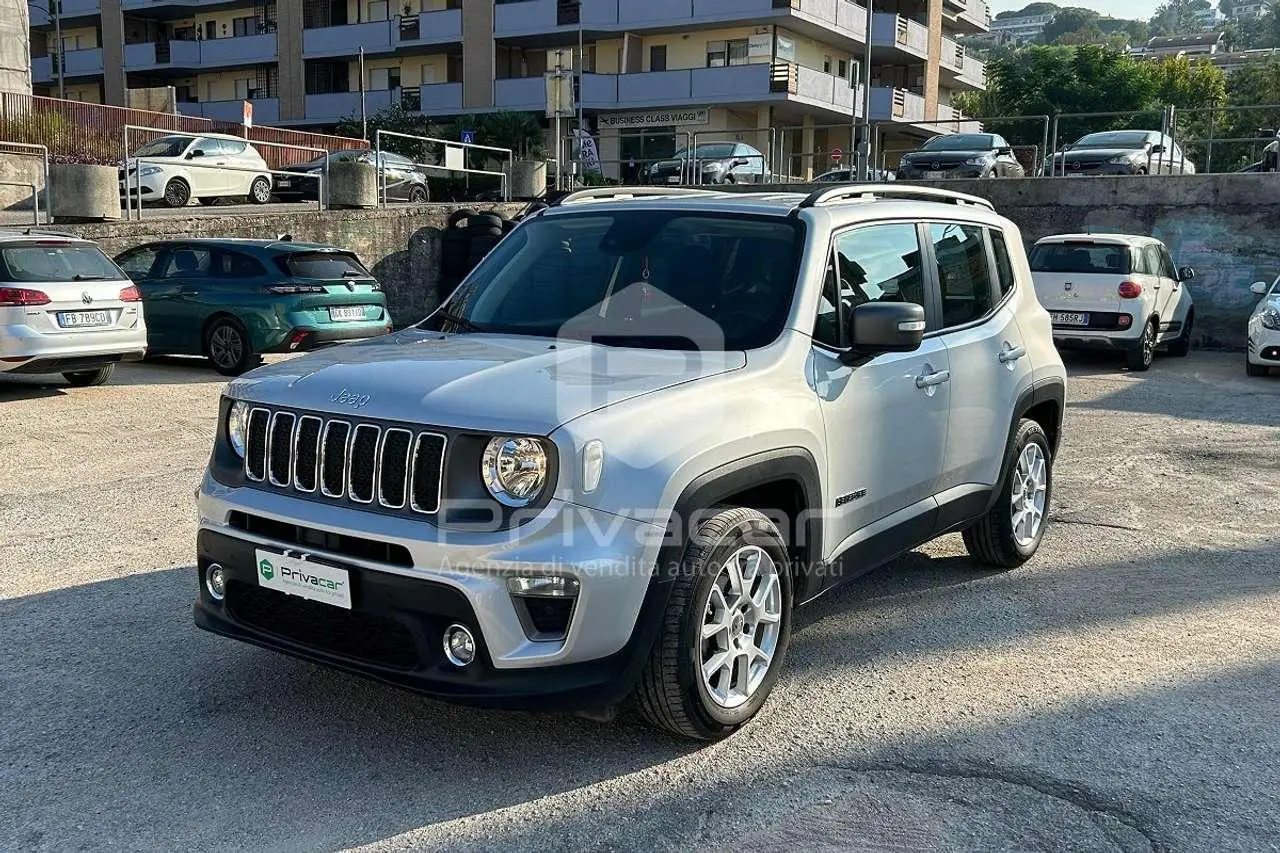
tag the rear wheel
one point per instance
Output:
(725, 630)
(1180, 347)
(227, 345)
(86, 378)
(1255, 369)
(417, 194)
(260, 190)
(177, 193)
(1140, 357)
(1011, 531)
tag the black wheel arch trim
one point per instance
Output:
(1050, 390)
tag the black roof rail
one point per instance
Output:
(607, 193)
(876, 192)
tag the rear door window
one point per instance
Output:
(324, 265)
(228, 264)
(56, 262)
(964, 274)
(1080, 258)
(1004, 266)
(187, 262)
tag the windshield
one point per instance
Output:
(960, 142)
(1080, 258)
(651, 279)
(1114, 139)
(325, 265)
(56, 262)
(710, 151)
(165, 146)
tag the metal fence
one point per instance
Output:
(455, 159)
(27, 149)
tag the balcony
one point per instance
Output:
(332, 107)
(967, 16)
(904, 39)
(209, 53)
(520, 93)
(71, 9)
(79, 63)
(959, 70)
(443, 26)
(432, 99)
(170, 6)
(265, 110)
(890, 104)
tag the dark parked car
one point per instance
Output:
(1122, 152)
(713, 163)
(849, 176)
(232, 300)
(403, 179)
(961, 155)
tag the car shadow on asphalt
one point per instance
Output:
(168, 370)
(154, 735)
(13, 389)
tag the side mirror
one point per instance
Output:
(741, 161)
(1006, 151)
(1258, 288)
(1186, 274)
(1157, 149)
(876, 327)
(199, 152)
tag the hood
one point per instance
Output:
(1098, 155)
(488, 382)
(945, 157)
(675, 164)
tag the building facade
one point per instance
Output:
(781, 75)
(1020, 29)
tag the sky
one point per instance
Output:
(1137, 9)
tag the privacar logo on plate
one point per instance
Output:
(268, 570)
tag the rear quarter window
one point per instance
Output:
(1081, 258)
(324, 265)
(56, 262)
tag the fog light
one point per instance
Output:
(543, 586)
(215, 580)
(459, 645)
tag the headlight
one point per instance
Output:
(1270, 319)
(975, 161)
(1122, 160)
(514, 470)
(238, 426)
(150, 170)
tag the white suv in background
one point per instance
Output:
(1264, 330)
(1116, 292)
(66, 308)
(180, 167)
(648, 426)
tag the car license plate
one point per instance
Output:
(284, 182)
(673, 179)
(934, 176)
(83, 319)
(346, 314)
(1061, 318)
(304, 579)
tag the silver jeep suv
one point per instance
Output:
(649, 425)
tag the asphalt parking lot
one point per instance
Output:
(1119, 692)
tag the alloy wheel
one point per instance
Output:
(740, 626)
(225, 346)
(1030, 487)
(176, 194)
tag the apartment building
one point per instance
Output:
(782, 75)
(1021, 28)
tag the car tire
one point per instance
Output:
(227, 345)
(459, 216)
(87, 378)
(1180, 347)
(418, 194)
(260, 190)
(1011, 531)
(1140, 357)
(1252, 369)
(673, 692)
(177, 193)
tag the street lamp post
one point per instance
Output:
(864, 141)
(56, 13)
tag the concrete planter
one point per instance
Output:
(528, 179)
(352, 185)
(82, 193)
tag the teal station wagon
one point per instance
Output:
(232, 300)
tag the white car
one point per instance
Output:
(1264, 330)
(1116, 292)
(179, 167)
(66, 308)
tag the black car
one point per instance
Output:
(961, 155)
(714, 163)
(1121, 152)
(403, 179)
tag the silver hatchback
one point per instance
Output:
(66, 308)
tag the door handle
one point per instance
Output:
(189, 290)
(930, 380)
(1010, 354)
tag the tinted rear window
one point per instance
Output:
(324, 265)
(1080, 258)
(56, 262)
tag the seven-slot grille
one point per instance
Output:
(365, 463)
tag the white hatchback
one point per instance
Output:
(1114, 291)
(66, 308)
(176, 168)
(1264, 330)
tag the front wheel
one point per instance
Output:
(227, 345)
(417, 194)
(177, 193)
(1140, 357)
(1011, 531)
(725, 630)
(87, 378)
(260, 190)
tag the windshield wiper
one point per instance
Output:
(462, 322)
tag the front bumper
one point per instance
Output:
(1264, 347)
(152, 186)
(1095, 169)
(912, 173)
(402, 606)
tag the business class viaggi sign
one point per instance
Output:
(656, 118)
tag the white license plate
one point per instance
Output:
(339, 315)
(934, 176)
(674, 179)
(304, 579)
(284, 182)
(83, 319)
(1062, 318)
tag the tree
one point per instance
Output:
(1178, 17)
(1068, 23)
(1033, 9)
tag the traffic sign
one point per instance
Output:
(468, 137)
(836, 154)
